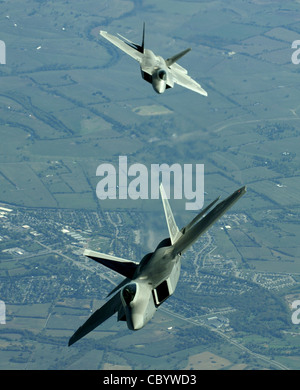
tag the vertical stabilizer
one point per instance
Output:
(172, 60)
(143, 40)
(174, 232)
(139, 48)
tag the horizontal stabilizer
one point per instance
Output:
(195, 231)
(124, 267)
(96, 319)
(175, 58)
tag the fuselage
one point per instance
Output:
(155, 71)
(155, 281)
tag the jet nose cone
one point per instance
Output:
(158, 89)
(137, 321)
(159, 86)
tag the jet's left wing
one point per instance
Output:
(181, 77)
(96, 319)
(196, 230)
(123, 46)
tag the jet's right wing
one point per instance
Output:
(123, 46)
(96, 319)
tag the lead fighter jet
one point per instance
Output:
(149, 283)
(161, 73)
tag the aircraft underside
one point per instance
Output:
(149, 78)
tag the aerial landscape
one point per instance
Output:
(71, 101)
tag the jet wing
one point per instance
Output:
(123, 46)
(181, 77)
(199, 216)
(96, 319)
(194, 232)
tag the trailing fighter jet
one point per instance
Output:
(150, 282)
(161, 73)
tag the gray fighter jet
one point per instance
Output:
(161, 73)
(150, 282)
